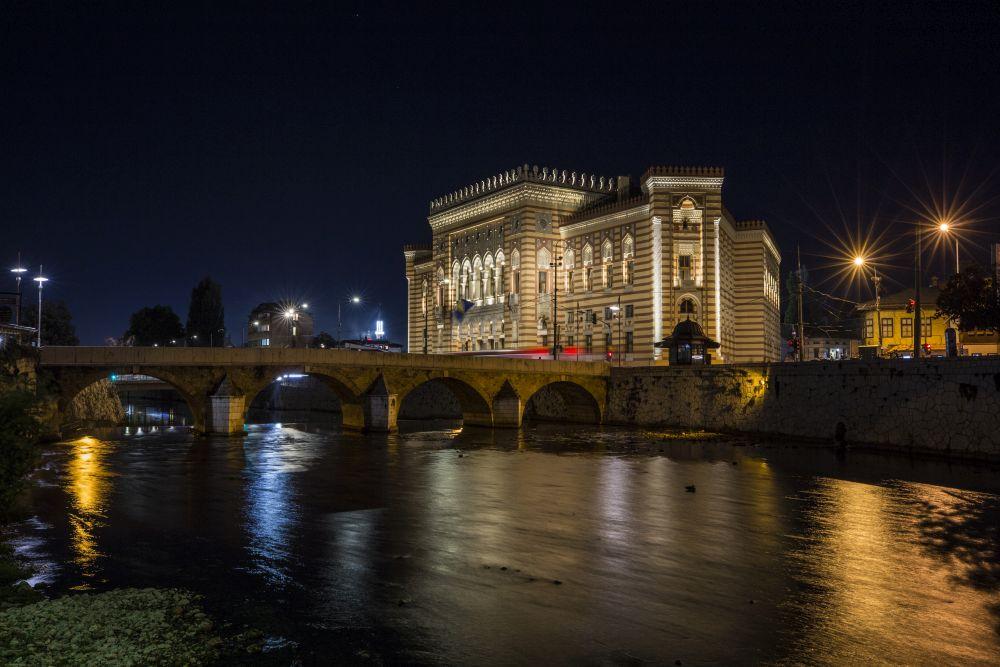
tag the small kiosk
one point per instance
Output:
(688, 345)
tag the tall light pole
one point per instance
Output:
(945, 228)
(917, 272)
(802, 324)
(353, 299)
(18, 272)
(860, 262)
(40, 279)
(555, 306)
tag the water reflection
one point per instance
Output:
(445, 546)
(88, 483)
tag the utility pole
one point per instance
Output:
(802, 325)
(917, 313)
(877, 279)
(555, 306)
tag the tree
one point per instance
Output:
(323, 340)
(206, 323)
(158, 324)
(971, 298)
(57, 322)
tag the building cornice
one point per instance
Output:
(653, 183)
(522, 194)
(569, 179)
(618, 217)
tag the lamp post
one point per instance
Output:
(353, 299)
(18, 272)
(917, 272)
(41, 280)
(945, 229)
(555, 263)
(860, 262)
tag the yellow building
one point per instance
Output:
(894, 319)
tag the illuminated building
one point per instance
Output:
(895, 315)
(279, 325)
(621, 265)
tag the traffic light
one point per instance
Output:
(910, 305)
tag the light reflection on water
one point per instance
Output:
(444, 545)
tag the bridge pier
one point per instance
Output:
(226, 410)
(507, 408)
(380, 407)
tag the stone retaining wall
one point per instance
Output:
(947, 406)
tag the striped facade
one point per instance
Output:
(546, 255)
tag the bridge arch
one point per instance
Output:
(72, 386)
(473, 405)
(341, 389)
(563, 401)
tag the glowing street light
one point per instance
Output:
(18, 272)
(41, 280)
(945, 229)
(355, 299)
(860, 261)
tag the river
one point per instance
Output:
(548, 545)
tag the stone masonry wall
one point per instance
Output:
(948, 406)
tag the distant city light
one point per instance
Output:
(379, 328)
(305, 306)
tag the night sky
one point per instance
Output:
(290, 151)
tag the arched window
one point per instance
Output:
(544, 258)
(477, 278)
(687, 306)
(607, 251)
(488, 277)
(498, 287)
(466, 283)
(515, 272)
(607, 255)
(588, 255)
(569, 263)
(687, 204)
(423, 297)
(628, 260)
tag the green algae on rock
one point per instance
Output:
(128, 626)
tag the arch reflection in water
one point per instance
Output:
(88, 484)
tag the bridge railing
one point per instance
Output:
(137, 357)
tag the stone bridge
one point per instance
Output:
(219, 384)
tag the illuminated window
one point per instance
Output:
(265, 342)
(887, 327)
(684, 267)
(925, 327)
(870, 328)
(906, 327)
(628, 342)
(543, 282)
(609, 279)
(687, 307)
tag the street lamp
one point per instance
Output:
(18, 272)
(555, 264)
(41, 280)
(917, 274)
(946, 228)
(860, 262)
(354, 300)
